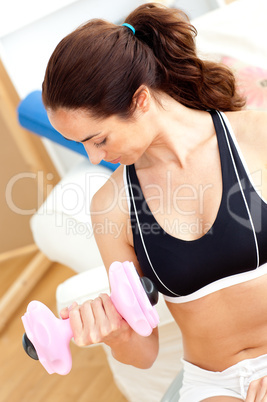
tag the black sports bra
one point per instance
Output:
(234, 250)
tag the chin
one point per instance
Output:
(129, 160)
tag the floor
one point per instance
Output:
(25, 380)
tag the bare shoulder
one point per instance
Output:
(249, 126)
(106, 199)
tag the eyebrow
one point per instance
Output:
(85, 139)
(90, 136)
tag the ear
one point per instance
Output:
(141, 99)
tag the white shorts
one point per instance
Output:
(199, 384)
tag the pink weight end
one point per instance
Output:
(50, 337)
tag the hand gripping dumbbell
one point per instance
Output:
(47, 337)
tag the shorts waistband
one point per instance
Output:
(260, 361)
(237, 377)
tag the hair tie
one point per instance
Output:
(129, 26)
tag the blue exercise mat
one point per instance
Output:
(32, 116)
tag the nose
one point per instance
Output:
(95, 155)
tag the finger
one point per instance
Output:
(64, 313)
(76, 323)
(252, 391)
(99, 311)
(87, 314)
(93, 317)
(115, 319)
(261, 389)
(98, 326)
(109, 306)
(257, 390)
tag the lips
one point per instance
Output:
(115, 160)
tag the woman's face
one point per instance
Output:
(111, 139)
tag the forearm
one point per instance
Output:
(136, 350)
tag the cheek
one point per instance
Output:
(133, 148)
(128, 143)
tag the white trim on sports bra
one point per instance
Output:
(241, 190)
(220, 284)
(126, 187)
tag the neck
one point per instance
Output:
(177, 132)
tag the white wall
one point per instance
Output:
(195, 8)
(27, 42)
(16, 14)
(26, 51)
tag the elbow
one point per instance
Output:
(150, 360)
(148, 365)
(141, 353)
(143, 362)
(144, 365)
(150, 356)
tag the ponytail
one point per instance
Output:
(183, 75)
(100, 66)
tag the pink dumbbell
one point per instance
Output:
(47, 337)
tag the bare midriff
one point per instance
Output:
(226, 326)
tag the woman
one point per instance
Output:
(181, 206)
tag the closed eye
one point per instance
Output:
(99, 144)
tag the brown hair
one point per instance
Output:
(100, 66)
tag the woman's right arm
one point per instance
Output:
(98, 320)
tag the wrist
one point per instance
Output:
(117, 341)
